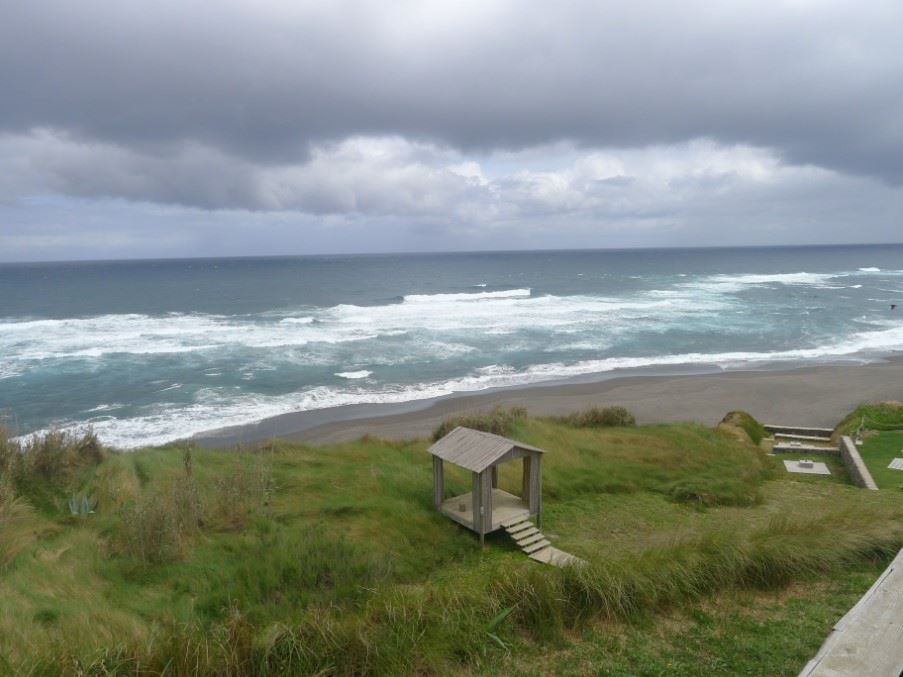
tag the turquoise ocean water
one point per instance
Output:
(150, 351)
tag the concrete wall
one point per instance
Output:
(798, 430)
(855, 466)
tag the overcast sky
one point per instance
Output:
(174, 128)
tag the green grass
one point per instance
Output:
(878, 416)
(738, 633)
(332, 560)
(877, 451)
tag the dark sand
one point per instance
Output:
(807, 396)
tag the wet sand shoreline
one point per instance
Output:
(808, 395)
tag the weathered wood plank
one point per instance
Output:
(868, 640)
(475, 450)
(438, 482)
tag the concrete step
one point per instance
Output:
(801, 438)
(799, 430)
(803, 449)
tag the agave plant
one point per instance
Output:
(81, 505)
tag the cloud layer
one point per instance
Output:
(447, 124)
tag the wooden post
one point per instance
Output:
(486, 499)
(438, 482)
(495, 477)
(525, 481)
(535, 479)
(476, 496)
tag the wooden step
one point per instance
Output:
(543, 555)
(564, 559)
(533, 547)
(514, 521)
(532, 538)
(526, 533)
(517, 528)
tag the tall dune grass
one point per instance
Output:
(295, 560)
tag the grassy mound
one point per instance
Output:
(300, 560)
(742, 422)
(880, 416)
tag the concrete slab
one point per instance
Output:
(896, 464)
(807, 467)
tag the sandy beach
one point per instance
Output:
(811, 396)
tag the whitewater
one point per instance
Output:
(113, 348)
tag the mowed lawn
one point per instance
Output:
(878, 450)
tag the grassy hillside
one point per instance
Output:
(331, 560)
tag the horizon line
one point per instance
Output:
(448, 252)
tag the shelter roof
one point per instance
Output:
(475, 450)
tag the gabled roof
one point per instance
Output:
(475, 450)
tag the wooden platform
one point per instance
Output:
(868, 641)
(505, 507)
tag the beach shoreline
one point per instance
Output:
(813, 395)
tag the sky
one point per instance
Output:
(165, 128)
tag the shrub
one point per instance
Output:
(601, 417)
(499, 421)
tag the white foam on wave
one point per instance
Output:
(470, 296)
(434, 322)
(740, 281)
(113, 406)
(870, 270)
(363, 373)
(217, 408)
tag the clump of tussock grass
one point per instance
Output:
(600, 417)
(158, 523)
(740, 420)
(237, 494)
(43, 466)
(156, 526)
(499, 421)
(17, 525)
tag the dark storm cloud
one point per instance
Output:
(261, 82)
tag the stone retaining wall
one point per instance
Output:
(855, 466)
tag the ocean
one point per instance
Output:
(146, 352)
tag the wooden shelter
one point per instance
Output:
(486, 508)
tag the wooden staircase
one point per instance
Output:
(536, 546)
